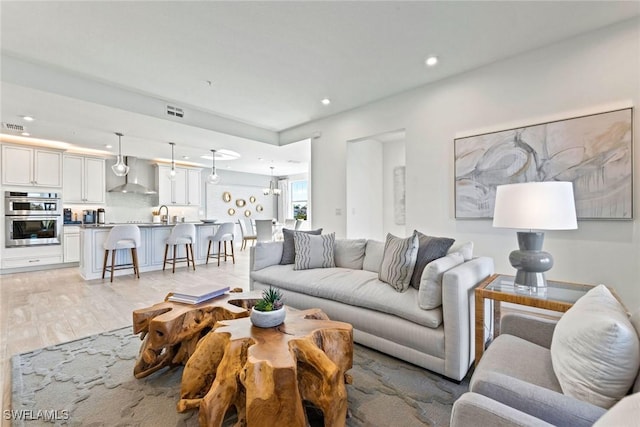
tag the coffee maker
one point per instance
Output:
(89, 216)
(67, 215)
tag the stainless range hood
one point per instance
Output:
(132, 187)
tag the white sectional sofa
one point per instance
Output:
(439, 339)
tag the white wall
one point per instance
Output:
(590, 73)
(364, 189)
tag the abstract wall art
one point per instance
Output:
(594, 152)
(399, 205)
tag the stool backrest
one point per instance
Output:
(289, 223)
(123, 232)
(224, 232)
(183, 231)
(246, 226)
(264, 230)
(299, 224)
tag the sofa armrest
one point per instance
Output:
(537, 330)
(473, 409)
(551, 406)
(458, 305)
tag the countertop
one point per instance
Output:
(147, 224)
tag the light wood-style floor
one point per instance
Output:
(43, 308)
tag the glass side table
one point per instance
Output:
(557, 296)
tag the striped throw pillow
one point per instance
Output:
(314, 251)
(398, 261)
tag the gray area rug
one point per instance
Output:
(89, 382)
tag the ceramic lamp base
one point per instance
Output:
(530, 261)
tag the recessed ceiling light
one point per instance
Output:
(28, 118)
(25, 134)
(109, 146)
(431, 61)
(326, 101)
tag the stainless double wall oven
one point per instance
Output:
(32, 218)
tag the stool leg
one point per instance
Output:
(134, 258)
(233, 255)
(186, 249)
(113, 262)
(208, 251)
(193, 258)
(104, 263)
(225, 251)
(166, 251)
(175, 247)
(219, 249)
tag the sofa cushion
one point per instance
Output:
(429, 248)
(430, 292)
(466, 249)
(349, 253)
(595, 349)
(635, 321)
(373, 255)
(289, 249)
(313, 251)
(266, 254)
(398, 261)
(354, 287)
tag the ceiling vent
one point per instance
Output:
(175, 111)
(12, 127)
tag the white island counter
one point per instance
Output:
(150, 252)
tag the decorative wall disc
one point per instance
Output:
(231, 211)
(247, 213)
(240, 203)
(252, 199)
(226, 196)
(259, 208)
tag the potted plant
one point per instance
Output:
(268, 311)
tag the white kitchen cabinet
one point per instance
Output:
(71, 243)
(83, 179)
(184, 190)
(31, 256)
(31, 166)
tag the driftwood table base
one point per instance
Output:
(170, 330)
(269, 374)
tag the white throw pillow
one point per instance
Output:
(398, 261)
(313, 251)
(466, 249)
(349, 253)
(595, 351)
(430, 292)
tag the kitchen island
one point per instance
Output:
(150, 252)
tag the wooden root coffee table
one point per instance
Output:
(170, 330)
(268, 374)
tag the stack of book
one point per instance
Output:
(196, 295)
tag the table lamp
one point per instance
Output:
(534, 205)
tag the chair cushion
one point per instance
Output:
(398, 261)
(430, 248)
(595, 349)
(289, 249)
(314, 251)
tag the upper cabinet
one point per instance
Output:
(183, 190)
(83, 179)
(31, 166)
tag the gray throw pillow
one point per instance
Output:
(314, 251)
(429, 249)
(349, 253)
(398, 261)
(289, 249)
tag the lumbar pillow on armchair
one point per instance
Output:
(595, 351)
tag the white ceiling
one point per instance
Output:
(87, 69)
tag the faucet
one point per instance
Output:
(164, 218)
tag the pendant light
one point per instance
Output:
(272, 190)
(120, 168)
(172, 172)
(213, 177)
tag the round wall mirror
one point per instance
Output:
(252, 199)
(259, 208)
(247, 213)
(240, 203)
(226, 196)
(231, 211)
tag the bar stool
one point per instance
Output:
(223, 234)
(181, 234)
(122, 237)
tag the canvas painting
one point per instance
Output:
(593, 152)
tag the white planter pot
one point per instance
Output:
(267, 319)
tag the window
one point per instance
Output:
(299, 198)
